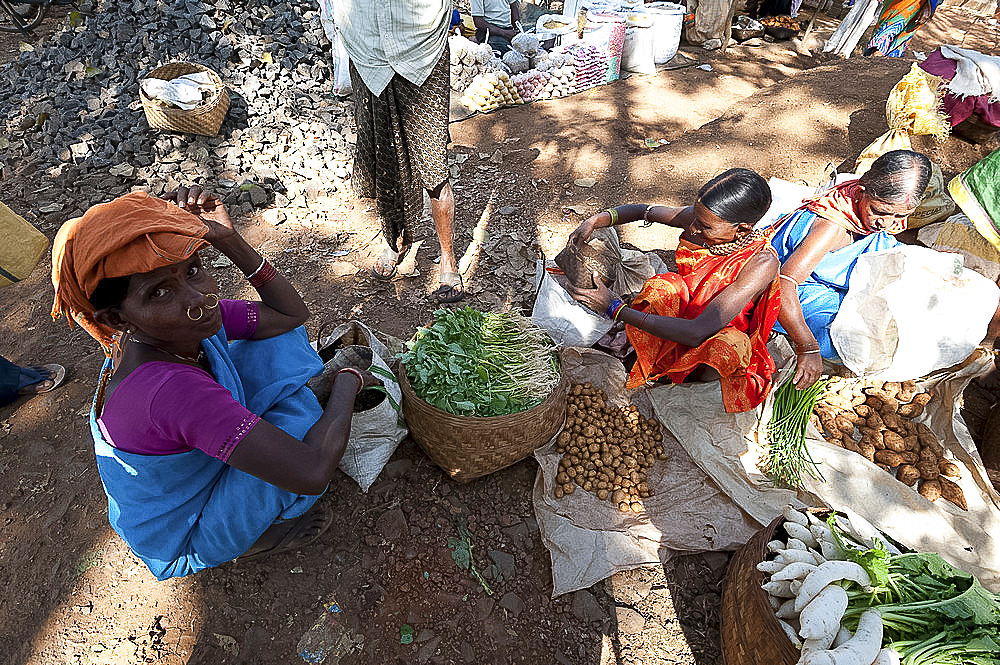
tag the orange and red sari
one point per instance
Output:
(738, 352)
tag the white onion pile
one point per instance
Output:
(562, 82)
(469, 60)
(490, 91)
(530, 84)
(546, 61)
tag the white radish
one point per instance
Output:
(779, 589)
(811, 645)
(790, 632)
(793, 571)
(820, 559)
(813, 519)
(825, 575)
(887, 657)
(821, 532)
(796, 530)
(771, 567)
(830, 551)
(820, 619)
(776, 603)
(842, 636)
(792, 515)
(862, 649)
(776, 546)
(786, 610)
(796, 544)
(797, 556)
(795, 585)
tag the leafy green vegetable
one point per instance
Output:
(875, 561)
(461, 552)
(472, 363)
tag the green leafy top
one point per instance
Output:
(875, 561)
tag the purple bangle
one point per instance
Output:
(351, 370)
(612, 307)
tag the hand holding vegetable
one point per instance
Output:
(597, 298)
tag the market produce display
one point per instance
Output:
(606, 450)
(469, 60)
(490, 91)
(589, 65)
(786, 22)
(473, 363)
(562, 82)
(787, 454)
(844, 602)
(530, 85)
(874, 419)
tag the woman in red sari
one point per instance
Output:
(711, 319)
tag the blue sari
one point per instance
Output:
(185, 512)
(824, 290)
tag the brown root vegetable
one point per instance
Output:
(826, 412)
(888, 457)
(930, 490)
(854, 418)
(852, 445)
(892, 388)
(884, 467)
(859, 398)
(844, 424)
(893, 421)
(949, 469)
(928, 455)
(863, 410)
(874, 403)
(923, 399)
(893, 441)
(911, 410)
(833, 442)
(909, 457)
(906, 394)
(928, 470)
(868, 451)
(951, 491)
(907, 474)
(912, 442)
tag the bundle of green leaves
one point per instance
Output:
(485, 364)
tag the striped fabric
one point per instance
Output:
(387, 37)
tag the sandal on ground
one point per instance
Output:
(290, 535)
(452, 288)
(53, 376)
(389, 258)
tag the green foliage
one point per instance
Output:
(472, 363)
(787, 454)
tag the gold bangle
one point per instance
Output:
(613, 213)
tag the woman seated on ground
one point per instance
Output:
(819, 245)
(712, 318)
(207, 449)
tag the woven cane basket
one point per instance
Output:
(750, 631)
(467, 447)
(204, 119)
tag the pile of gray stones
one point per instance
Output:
(75, 133)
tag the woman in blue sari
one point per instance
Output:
(819, 245)
(209, 444)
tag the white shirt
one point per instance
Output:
(388, 37)
(496, 12)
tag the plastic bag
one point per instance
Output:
(637, 52)
(376, 432)
(341, 61)
(22, 247)
(910, 311)
(935, 205)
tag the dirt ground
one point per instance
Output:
(75, 594)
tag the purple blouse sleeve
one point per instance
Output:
(190, 408)
(239, 318)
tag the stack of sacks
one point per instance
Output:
(590, 65)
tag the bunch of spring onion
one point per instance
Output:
(485, 364)
(788, 457)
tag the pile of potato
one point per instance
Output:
(781, 22)
(606, 450)
(873, 419)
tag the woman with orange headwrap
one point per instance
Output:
(207, 449)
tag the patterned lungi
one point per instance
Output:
(402, 146)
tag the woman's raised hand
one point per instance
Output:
(596, 299)
(586, 229)
(207, 207)
(808, 370)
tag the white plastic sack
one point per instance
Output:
(377, 432)
(570, 323)
(637, 52)
(910, 311)
(959, 234)
(341, 61)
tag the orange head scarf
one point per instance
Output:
(841, 205)
(133, 234)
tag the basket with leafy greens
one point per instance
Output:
(484, 364)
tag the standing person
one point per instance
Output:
(400, 73)
(897, 22)
(16, 381)
(497, 18)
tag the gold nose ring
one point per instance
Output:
(214, 304)
(201, 313)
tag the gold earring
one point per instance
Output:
(201, 313)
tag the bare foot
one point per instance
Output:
(290, 535)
